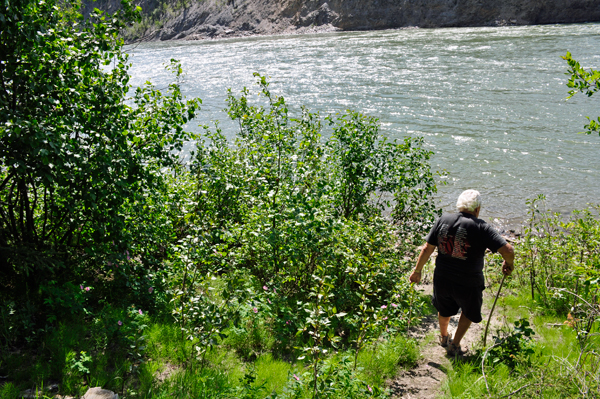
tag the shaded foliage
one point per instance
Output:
(79, 159)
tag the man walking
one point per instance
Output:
(458, 283)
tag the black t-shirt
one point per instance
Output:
(461, 240)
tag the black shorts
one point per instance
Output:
(448, 297)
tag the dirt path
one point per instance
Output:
(425, 380)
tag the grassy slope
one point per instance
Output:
(170, 369)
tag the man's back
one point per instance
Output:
(461, 240)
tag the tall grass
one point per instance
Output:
(381, 361)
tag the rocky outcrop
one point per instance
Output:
(198, 19)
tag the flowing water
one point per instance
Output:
(490, 102)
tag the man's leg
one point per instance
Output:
(463, 326)
(444, 321)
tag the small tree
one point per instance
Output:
(77, 155)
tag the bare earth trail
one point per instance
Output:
(425, 380)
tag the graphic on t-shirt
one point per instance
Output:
(455, 246)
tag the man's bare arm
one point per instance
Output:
(508, 253)
(426, 252)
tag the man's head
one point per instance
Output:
(469, 201)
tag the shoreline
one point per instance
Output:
(216, 19)
(319, 30)
(230, 34)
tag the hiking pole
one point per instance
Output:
(492, 311)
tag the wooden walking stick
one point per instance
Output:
(492, 311)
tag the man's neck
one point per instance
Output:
(473, 213)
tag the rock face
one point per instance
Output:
(198, 19)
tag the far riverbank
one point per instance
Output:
(209, 19)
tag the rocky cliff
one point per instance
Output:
(198, 19)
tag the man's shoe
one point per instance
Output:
(445, 341)
(455, 350)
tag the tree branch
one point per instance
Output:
(518, 390)
(10, 174)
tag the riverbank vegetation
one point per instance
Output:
(261, 266)
(270, 265)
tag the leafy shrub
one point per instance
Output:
(336, 379)
(561, 256)
(97, 213)
(77, 370)
(283, 203)
(585, 82)
(513, 347)
(77, 161)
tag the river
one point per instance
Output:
(490, 102)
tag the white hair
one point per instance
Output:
(469, 200)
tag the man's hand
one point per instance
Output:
(415, 277)
(508, 253)
(507, 268)
(426, 252)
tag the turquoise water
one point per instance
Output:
(489, 101)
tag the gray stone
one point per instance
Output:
(99, 393)
(30, 393)
(51, 388)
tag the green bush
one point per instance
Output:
(286, 238)
(283, 203)
(585, 82)
(80, 161)
(335, 379)
(513, 347)
(560, 259)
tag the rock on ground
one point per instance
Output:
(99, 393)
